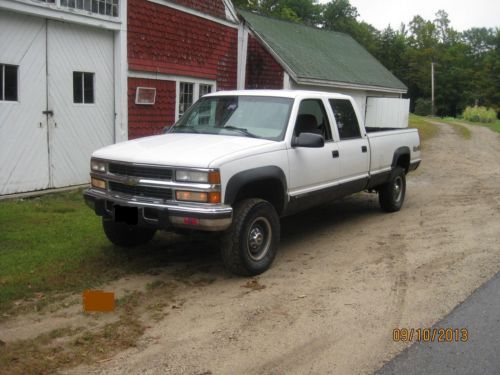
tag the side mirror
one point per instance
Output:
(310, 140)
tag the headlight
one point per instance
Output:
(212, 177)
(99, 184)
(98, 166)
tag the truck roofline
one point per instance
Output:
(293, 94)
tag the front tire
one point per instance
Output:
(125, 235)
(392, 194)
(250, 244)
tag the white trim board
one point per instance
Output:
(168, 77)
(196, 13)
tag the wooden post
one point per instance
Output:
(433, 109)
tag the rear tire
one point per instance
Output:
(392, 195)
(125, 235)
(249, 246)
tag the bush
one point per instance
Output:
(479, 114)
(423, 107)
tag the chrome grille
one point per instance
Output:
(141, 191)
(140, 171)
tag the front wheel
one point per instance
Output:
(250, 245)
(125, 235)
(392, 195)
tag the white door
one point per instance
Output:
(81, 97)
(23, 128)
(313, 168)
(353, 147)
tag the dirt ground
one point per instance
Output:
(345, 277)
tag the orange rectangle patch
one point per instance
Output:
(98, 301)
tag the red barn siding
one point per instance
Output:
(213, 7)
(150, 119)
(165, 40)
(263, 72)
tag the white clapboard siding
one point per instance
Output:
(387, 112)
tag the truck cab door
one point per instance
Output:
(312, 169)
(354, 149)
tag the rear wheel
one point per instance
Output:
(125, 235)
(250, 245)
(392, 194)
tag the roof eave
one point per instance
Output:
(348, 85)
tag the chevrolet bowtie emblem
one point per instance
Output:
(131, 181)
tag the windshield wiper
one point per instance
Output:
(184, 129)
(241, 130)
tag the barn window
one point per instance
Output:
(189, 92)
(205, 89)
(83, 87)
(186, 91)
(103, 7)
(9, 82)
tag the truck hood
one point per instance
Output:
(183, 150)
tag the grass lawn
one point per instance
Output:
(426, 130)
(54, 244)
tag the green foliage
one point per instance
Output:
(423, 107)
(479, 114)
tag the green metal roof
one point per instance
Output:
(320, 55)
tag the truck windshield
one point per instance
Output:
(244, 116)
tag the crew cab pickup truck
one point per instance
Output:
(237, 161)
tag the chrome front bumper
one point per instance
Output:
(152, 212)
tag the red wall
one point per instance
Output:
(213, 7)
(164, 40)
(263, 72)
(150, 119)
(168, 41)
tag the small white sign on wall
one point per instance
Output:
(145, 95)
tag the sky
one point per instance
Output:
(462, 14)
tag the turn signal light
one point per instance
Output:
(214, 177)
(214, 197)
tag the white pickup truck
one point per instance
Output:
(237, 161)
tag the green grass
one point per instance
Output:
(55, 244)
(426, 130)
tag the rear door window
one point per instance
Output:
(346, 119)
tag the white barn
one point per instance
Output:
(62, 89)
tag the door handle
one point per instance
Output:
(364, 149)
(48, 112)
(335, 154)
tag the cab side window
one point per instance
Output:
(312, 118)
(346, 119)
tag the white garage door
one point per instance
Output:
(64, 107)
(80, 94)
(24, 155)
